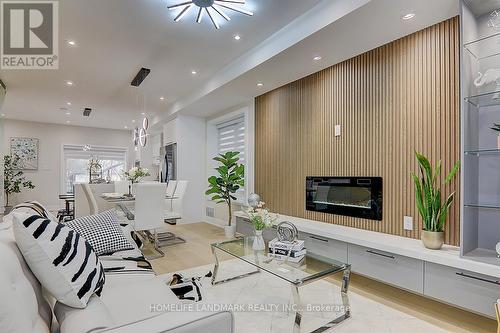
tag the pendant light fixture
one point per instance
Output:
(210, 7)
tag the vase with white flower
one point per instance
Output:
(135, 175)
(261, 219)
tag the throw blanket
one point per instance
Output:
(187, 289)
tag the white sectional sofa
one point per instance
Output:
(124, 306)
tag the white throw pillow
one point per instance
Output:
(62, 260)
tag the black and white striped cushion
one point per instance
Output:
(103, 232)
(62, 260)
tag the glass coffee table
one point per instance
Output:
(312, 269)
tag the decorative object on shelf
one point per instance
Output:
(498, 250)
(496, 127)
(287, 232)
(261, 219)
(212, 8)
(253, 200)
(230, 178)
(494, 21)
(26, 149)
(95, 171)
(14, 179)
(428, 200)
(492, 75)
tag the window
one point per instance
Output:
(231, 137)
(76, 160)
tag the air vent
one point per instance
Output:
(210, 212)
(143, 73)
(86, 112)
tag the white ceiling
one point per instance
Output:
(481, 7)
(277, 47)
(115, 39)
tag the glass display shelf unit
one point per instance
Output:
(483, 206)
(484, 47)
(491, 98)
(478, 152)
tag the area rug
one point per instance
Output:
(261, 303)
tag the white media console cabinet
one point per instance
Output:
(402, 262)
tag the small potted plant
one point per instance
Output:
(428, 199)
(14, 180)
(223, 187)
(261, 219)
(135, 175)
(496, 128)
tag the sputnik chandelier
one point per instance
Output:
(211, 8)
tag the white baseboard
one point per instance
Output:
(215, 221)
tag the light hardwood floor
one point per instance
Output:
(196, 252)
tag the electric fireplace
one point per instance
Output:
(350, 196)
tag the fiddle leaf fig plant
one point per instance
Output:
(230, 178)
(428, 194)
(14, 180)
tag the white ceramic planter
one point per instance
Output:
(258, 241)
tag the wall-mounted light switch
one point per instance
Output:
(408, 223)
(338, 130)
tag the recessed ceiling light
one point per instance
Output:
(260, 84)
(143, 113)
(133, 121)
(194, 72)
(237, 37)
(126, 127)
(68, 113)
(317, 58)
(162, 98)
(408, 16)
(71, 42)
(69, 83)
(67, 121)
(68, 103)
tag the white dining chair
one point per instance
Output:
(149, 212)
(85, 203)
(171, 187)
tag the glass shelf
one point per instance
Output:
(485, 206)
(485, 47)
(482, 152)
(485, 99)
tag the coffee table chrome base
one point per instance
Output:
(296, 296)
(345, 303)
(216, 271)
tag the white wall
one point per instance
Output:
(47, 178)
(248, 110)
(189, 134)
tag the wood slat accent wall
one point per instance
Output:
(391, 101)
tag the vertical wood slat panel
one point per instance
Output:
(391, 101)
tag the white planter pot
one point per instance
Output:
(230, 231)
(258, 241)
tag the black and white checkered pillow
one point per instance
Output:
(102, 231)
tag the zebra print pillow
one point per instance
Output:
(62, 260)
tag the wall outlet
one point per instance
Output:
(408, 223)
(338, 130)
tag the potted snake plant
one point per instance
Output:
(428, 199)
